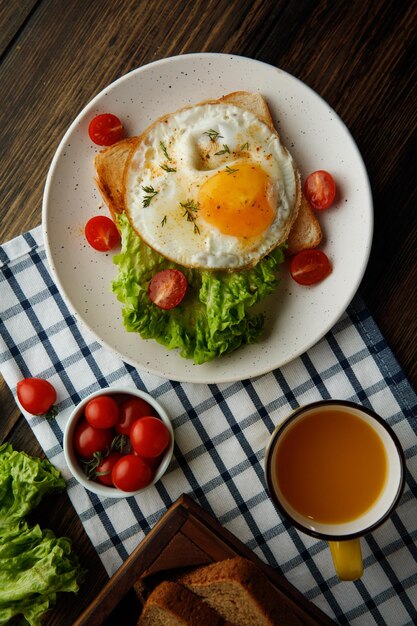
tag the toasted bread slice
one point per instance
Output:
(238, 590)
(306, 231)
(252, 102)
(110, 166)
(174, 605)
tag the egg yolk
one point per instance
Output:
(236, 201)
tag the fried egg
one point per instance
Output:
(212, 187)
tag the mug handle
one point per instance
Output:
(347, 558)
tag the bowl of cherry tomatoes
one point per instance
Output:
(118, 442)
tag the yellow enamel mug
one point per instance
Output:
(335, 470)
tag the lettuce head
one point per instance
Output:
(35, 565)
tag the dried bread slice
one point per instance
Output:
(110, 166)
(171, 604)
(238, 590)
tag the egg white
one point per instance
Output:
(184, 142)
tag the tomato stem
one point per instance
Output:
(51, 414)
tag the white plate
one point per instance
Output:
(297, 317)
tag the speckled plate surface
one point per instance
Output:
(296, 317)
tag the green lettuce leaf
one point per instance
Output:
(34, 564)
(23, 482)
(214, 318)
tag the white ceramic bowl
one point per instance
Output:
(71, 456)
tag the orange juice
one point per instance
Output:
(331, 466)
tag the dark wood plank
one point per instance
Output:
(13, 17)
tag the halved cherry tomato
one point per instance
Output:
(101, 233)
(131, 473)
(310, 266)
(105, 129)
(37, 396)
(149, 436)
(167, 288)
(102, 412)
(104, 469)
(320, 190)
(88, 439)
(130, 411)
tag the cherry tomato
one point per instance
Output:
(102, 412)
(149, 436)
(167, 288)
(130, 411)
(131, 473)
(88, 439)
(37, 396)
(105, 129)
(101, 233)
(104, 468)
(153, 463)
(309, 267)
(320, 190)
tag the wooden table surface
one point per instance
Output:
(358, 55)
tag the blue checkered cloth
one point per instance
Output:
(220, 436)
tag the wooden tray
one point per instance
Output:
(187, 536)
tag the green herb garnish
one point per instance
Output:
(167, 168)
(224, 151)
(245, 146)
(213, 134)
(164, 150)
(151, 193)
(190, 207)
(230, 170)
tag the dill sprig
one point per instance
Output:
(245, 146)
(164, 150)
(230, 170)
(167, 168)
(190, 207)
(224, 151)
(213, 134)
(164, 220)
(151, 193)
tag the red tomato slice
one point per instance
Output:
(102, 412)
(167, 288)
(36, 396)
(131, 473)
(130, 411)
(320, 190)
(309, 267)
(149, 436)
(101, 233)
(105, 129)
(88, 439)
